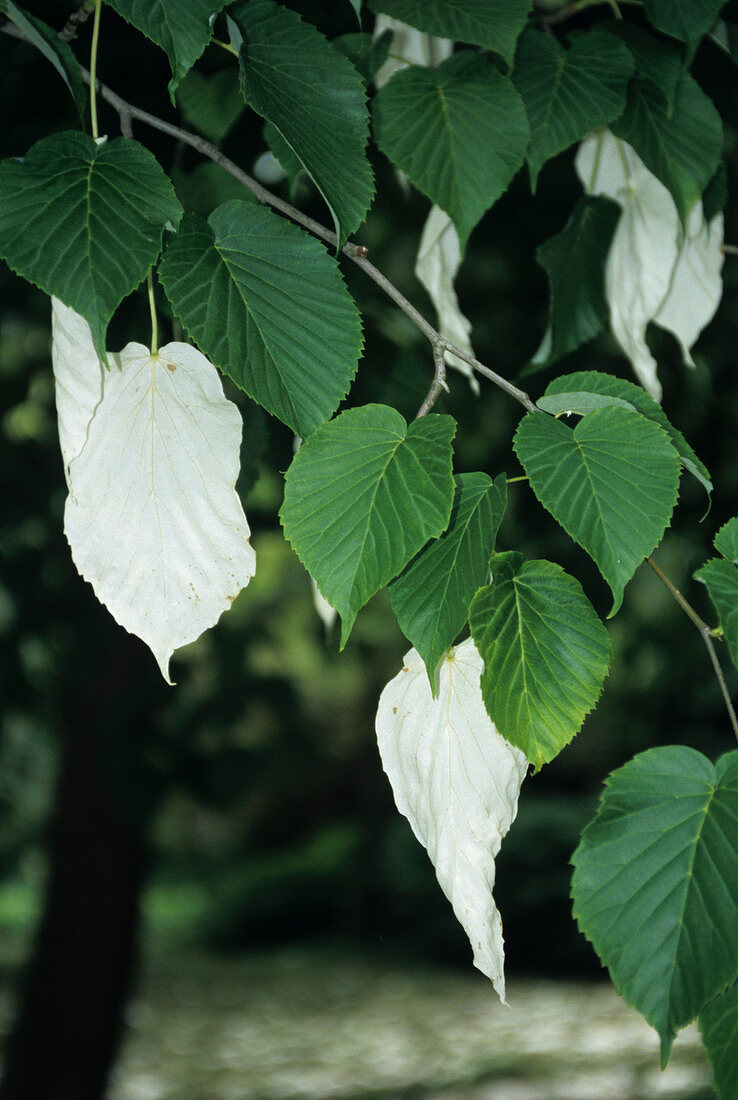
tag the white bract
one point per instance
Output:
(655, 270)
(409, 47)
(326, 611)
(457, 782)
(78, 375)
(152, 518)
(436, 266)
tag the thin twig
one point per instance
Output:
(438, 384)
(75, 21)
(706, 633)
(357, 253)
(730, 249)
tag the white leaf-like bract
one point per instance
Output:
(655, 270)
(78, 376)
(153, 519)
(326, 611)
(436, 266)
(457, 782)
(409, 47)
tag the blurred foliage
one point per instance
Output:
(258, 781)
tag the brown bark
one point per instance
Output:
(70, 1019)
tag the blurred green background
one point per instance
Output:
(255, 783)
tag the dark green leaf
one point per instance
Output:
(598, 383)
(84, 222)
(362, 496)
(611, 483)
(59, 53)
(459, 132)
(212, 104)
(268, 306)
(365, 52)
(716, 193)
(182, 30)
(719, 1027)
(657, 61)
(574, 261)
(546, 654)
(567, 93)
(726, 540)
(721, 579)
(682, 148)
(687, 20)
(207, 186)
(431, 597)
(283, 153)
(495, 26)
(655, 884)
(295, 79)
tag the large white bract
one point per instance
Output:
(457, 782)
(655, 271)
(151, 448)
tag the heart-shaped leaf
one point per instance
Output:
(611, 483)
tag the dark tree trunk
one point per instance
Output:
(70, 1019)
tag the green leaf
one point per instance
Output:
(459, 132)
(574, 261)
(655, 884)
(493, 26)
(59, 53)
(546, 654)
(362, 496)
(726, 540)
(611, 483)
(365, 52)
(182, 30)
(655, 60)
(719, 1027)
(579, 403)
(567, 93)
(687, 20)
(721, 579)
(607, 384)
(716, 193)
(84, 222)
(356, 5)
(287, 159)
(431, 597)
(682, 148)
(294, 78)
(207, 186)
(268, 306)
(212, 104)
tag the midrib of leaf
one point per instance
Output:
(522, 654)
(447, 579)
(561, 65)
(252, 318)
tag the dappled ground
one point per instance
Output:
(306, 1025)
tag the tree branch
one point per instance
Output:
(438, 384)
(706, 634)
(356, 253)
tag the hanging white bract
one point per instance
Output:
(655, 271)
(436, 266)
(151, 450)
(457, 782)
